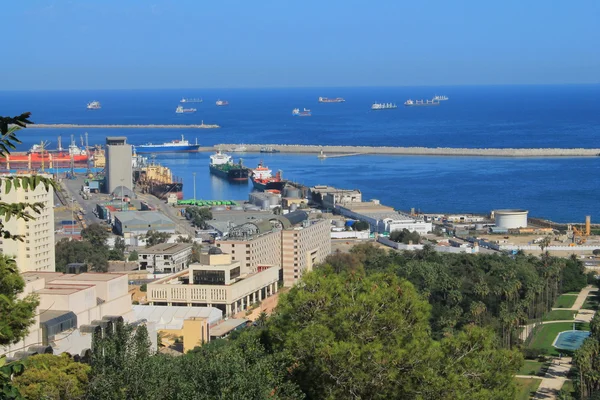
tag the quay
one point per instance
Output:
(420, 151)
(125, 126)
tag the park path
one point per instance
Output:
(585, 292)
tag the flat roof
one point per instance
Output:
(227, 326)
(31, 276)
(367, 206)
(142, 217)
(330, 189)
(168, 248)
(66, 289)
(91, 276)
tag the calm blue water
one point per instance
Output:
(499, 116)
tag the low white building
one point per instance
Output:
(383, 218)
(165, 257)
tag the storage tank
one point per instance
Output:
(339, 223)
(274, 200)
(511, 219)
(293, 207)
(350, 222)
(265, 204)
(292, 192)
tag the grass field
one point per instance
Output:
(526, 388)
(535, 368)
(565, 301)
(568, 388)
(560, 315)
(545, 335)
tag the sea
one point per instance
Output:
(541, 116)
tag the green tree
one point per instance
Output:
(196, 251)
(361, 226)
(73, 251)
(155, 237)
(198, 215)
(96, 235)
(573, 275)
(16, 313)
(133, 256)
(50, 377)
(405, 236)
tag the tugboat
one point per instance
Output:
(263, 180)
(222, 103)
(297, 113)
(94, 105)
(181, 110)
(223, 166)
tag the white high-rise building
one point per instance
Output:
(36, 251)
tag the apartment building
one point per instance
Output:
(36, 251)
(165, 257)
(263, 248)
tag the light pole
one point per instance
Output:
(194, 174)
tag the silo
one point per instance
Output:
(339, 223)
(293, 207)
(292, 192)
(511, 219)
(273, 200)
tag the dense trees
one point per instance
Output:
(74, 251)
(50, 377)
(405, 236)
(198, 216)
(155, 237)
(16, 312)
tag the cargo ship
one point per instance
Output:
(421, 103)
(191, 100)
(181, 110)
(440, 98)
(94, 105)
(158, 181)
(263, 180)
(221, 103)
(223, 166)
(383, 106)
(39, 154)
(174, 146)
(297, 113)
(328, 100)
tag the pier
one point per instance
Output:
(419, 151)
(124, 126)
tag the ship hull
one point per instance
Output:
(37, 158)
(422, 105)
(163, 190)
(231, 174)
(167, 149)
(268, 185)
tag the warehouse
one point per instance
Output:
(383, 218)
(131, 223)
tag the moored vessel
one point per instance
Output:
(174, 146)
(181, 110)
(328, 100)
(94, 105)
(262, 179)
(222, 165)
(222, 103)
(383, 106)
(158, 181)
(420, 103)
(297, 113)
(39, 154)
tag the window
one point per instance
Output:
(234, 273)
(208, 277)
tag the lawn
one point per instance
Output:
(526, 387)
(591, 302)
(565, 301)
(544, 336)
(531, 367)
(568, 388)
(560, 315)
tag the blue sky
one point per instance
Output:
(133, 44)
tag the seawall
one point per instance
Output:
(151, 126)
(418, 151)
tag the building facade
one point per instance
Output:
(328, 197)
(36, 251)
(254, 251)
(217, 281)
(165, 257)
(383, 218)
(119, 171)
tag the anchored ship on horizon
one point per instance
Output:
(174, 146)
(328, 100)
(297, 113)
(94, 105)
(419, 103)
(383, 106)
(191, 100)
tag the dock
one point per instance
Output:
(124, 126)
(419, 151)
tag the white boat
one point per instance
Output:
(439, 98)
(191, 100)
(181, 110)
(419, 103)
(222, 103)
(383, 106)
(94, 105)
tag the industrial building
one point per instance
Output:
(36, 251)
(119, 171)
(265, 200)
(328, 197)
(72, 308)
(217, 281)
(383, 218)
(131, 223)
(510, 219)
(292, 241)
(165, 257)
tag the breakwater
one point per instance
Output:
(419, 151)
(124, 126)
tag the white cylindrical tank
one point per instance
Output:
(511, 219)
(339, 223)
(292, 192)
(274, 200)
(293, 207)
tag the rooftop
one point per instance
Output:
(58, 289)
(142, 218)
(225, 327)
(172, 317)
(166, 248)
(367, 207)
(324, 189)
(91, 276)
